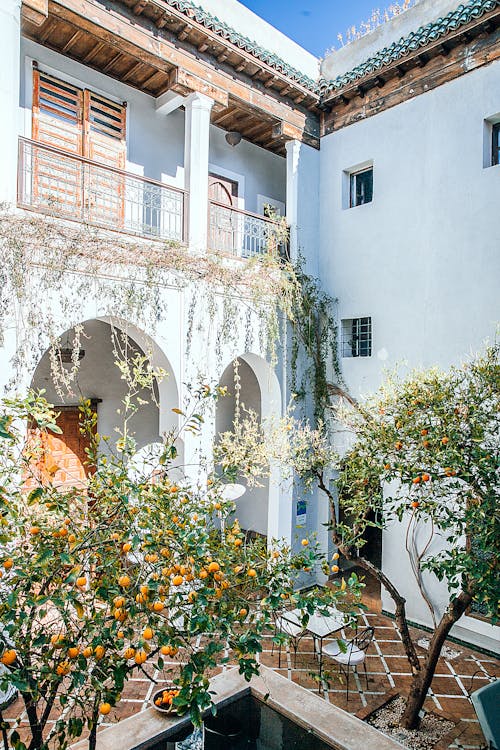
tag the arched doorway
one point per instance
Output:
(98, 379)
(259, 510)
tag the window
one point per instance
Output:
(361, 187)
(357, 337)
(495, 144)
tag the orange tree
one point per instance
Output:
(128, 571)
(425, 454)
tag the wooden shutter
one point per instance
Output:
(57, 121)
(57, 113)
(104, 142)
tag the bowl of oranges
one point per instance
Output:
(163, 697)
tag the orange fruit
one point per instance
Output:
(165, 552)
(63, 531)
(426, 443)
(165, 650)
(34, 530)
(417, 480)
(425, 477)
(8, 563)
(140, 657)
(251, 572)
(424, 432)
(8, 657)
(243, 612)
(335, 556)
(124, 581)
(445, 440)
(147, 634)
(120, 614)
(387, 467)
(87, 652)
(57, 640)
(192, 596)
(415, 504)
(129, 653)
(104, 709)
(157, 606)
(177, 580)
(141, 599)
(126, 547)
(63, 669)
(203, 573)
(213, 567)
(217, 506)
(115, 536)
(72, 538)
(99, 651)
(398, 445)
(81, 582)
(73, 652)
(119, 601)
(335, 568)
(305, 542)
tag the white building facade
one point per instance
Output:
(121, 119)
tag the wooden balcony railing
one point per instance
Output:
(73, 187)
(241, 233)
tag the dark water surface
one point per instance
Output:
(246, 724)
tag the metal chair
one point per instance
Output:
(351, 653)
(486, 702)
(293, 632)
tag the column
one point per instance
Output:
(197, 131)
(303, 202)
(292, 194)
(10, 44)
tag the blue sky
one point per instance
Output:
(314, 24)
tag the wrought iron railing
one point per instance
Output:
(72, 187)
(241, 233)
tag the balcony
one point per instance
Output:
(242, 233)
(72, 187)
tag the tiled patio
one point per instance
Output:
(387, 671)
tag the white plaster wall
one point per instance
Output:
(255, 28)
(10, 121)
(422, 259)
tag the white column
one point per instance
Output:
(10, 44)
(292, 194)
(197, 131)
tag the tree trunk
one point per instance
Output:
(34, 722)
(422, 681)
(398, 600)
(400, 614)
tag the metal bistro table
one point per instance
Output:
(319, 626)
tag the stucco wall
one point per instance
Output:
(421, 259)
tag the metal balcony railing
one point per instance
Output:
(241, 233)
(73, 187)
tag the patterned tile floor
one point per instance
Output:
(387, 670)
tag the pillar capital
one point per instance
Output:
(199, 101)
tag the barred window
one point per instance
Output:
(357, 337)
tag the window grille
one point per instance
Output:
(357, 337)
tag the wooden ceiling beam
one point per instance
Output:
(257, 130)
(93, 53)
(131, 38)
(139, 7)
(73, 38)
(225, 116)
(35, 11)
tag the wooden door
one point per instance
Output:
(225, 235)
(104, 142)
(57, 121)
(60, 459)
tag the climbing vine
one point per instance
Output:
(51, 269)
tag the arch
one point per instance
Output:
(99, 380)
(261, 381)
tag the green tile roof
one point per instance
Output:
(423, 36)
(225, 31)
(431, 32)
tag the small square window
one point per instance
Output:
(357, 337)
(495, 144)
(361, 187)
